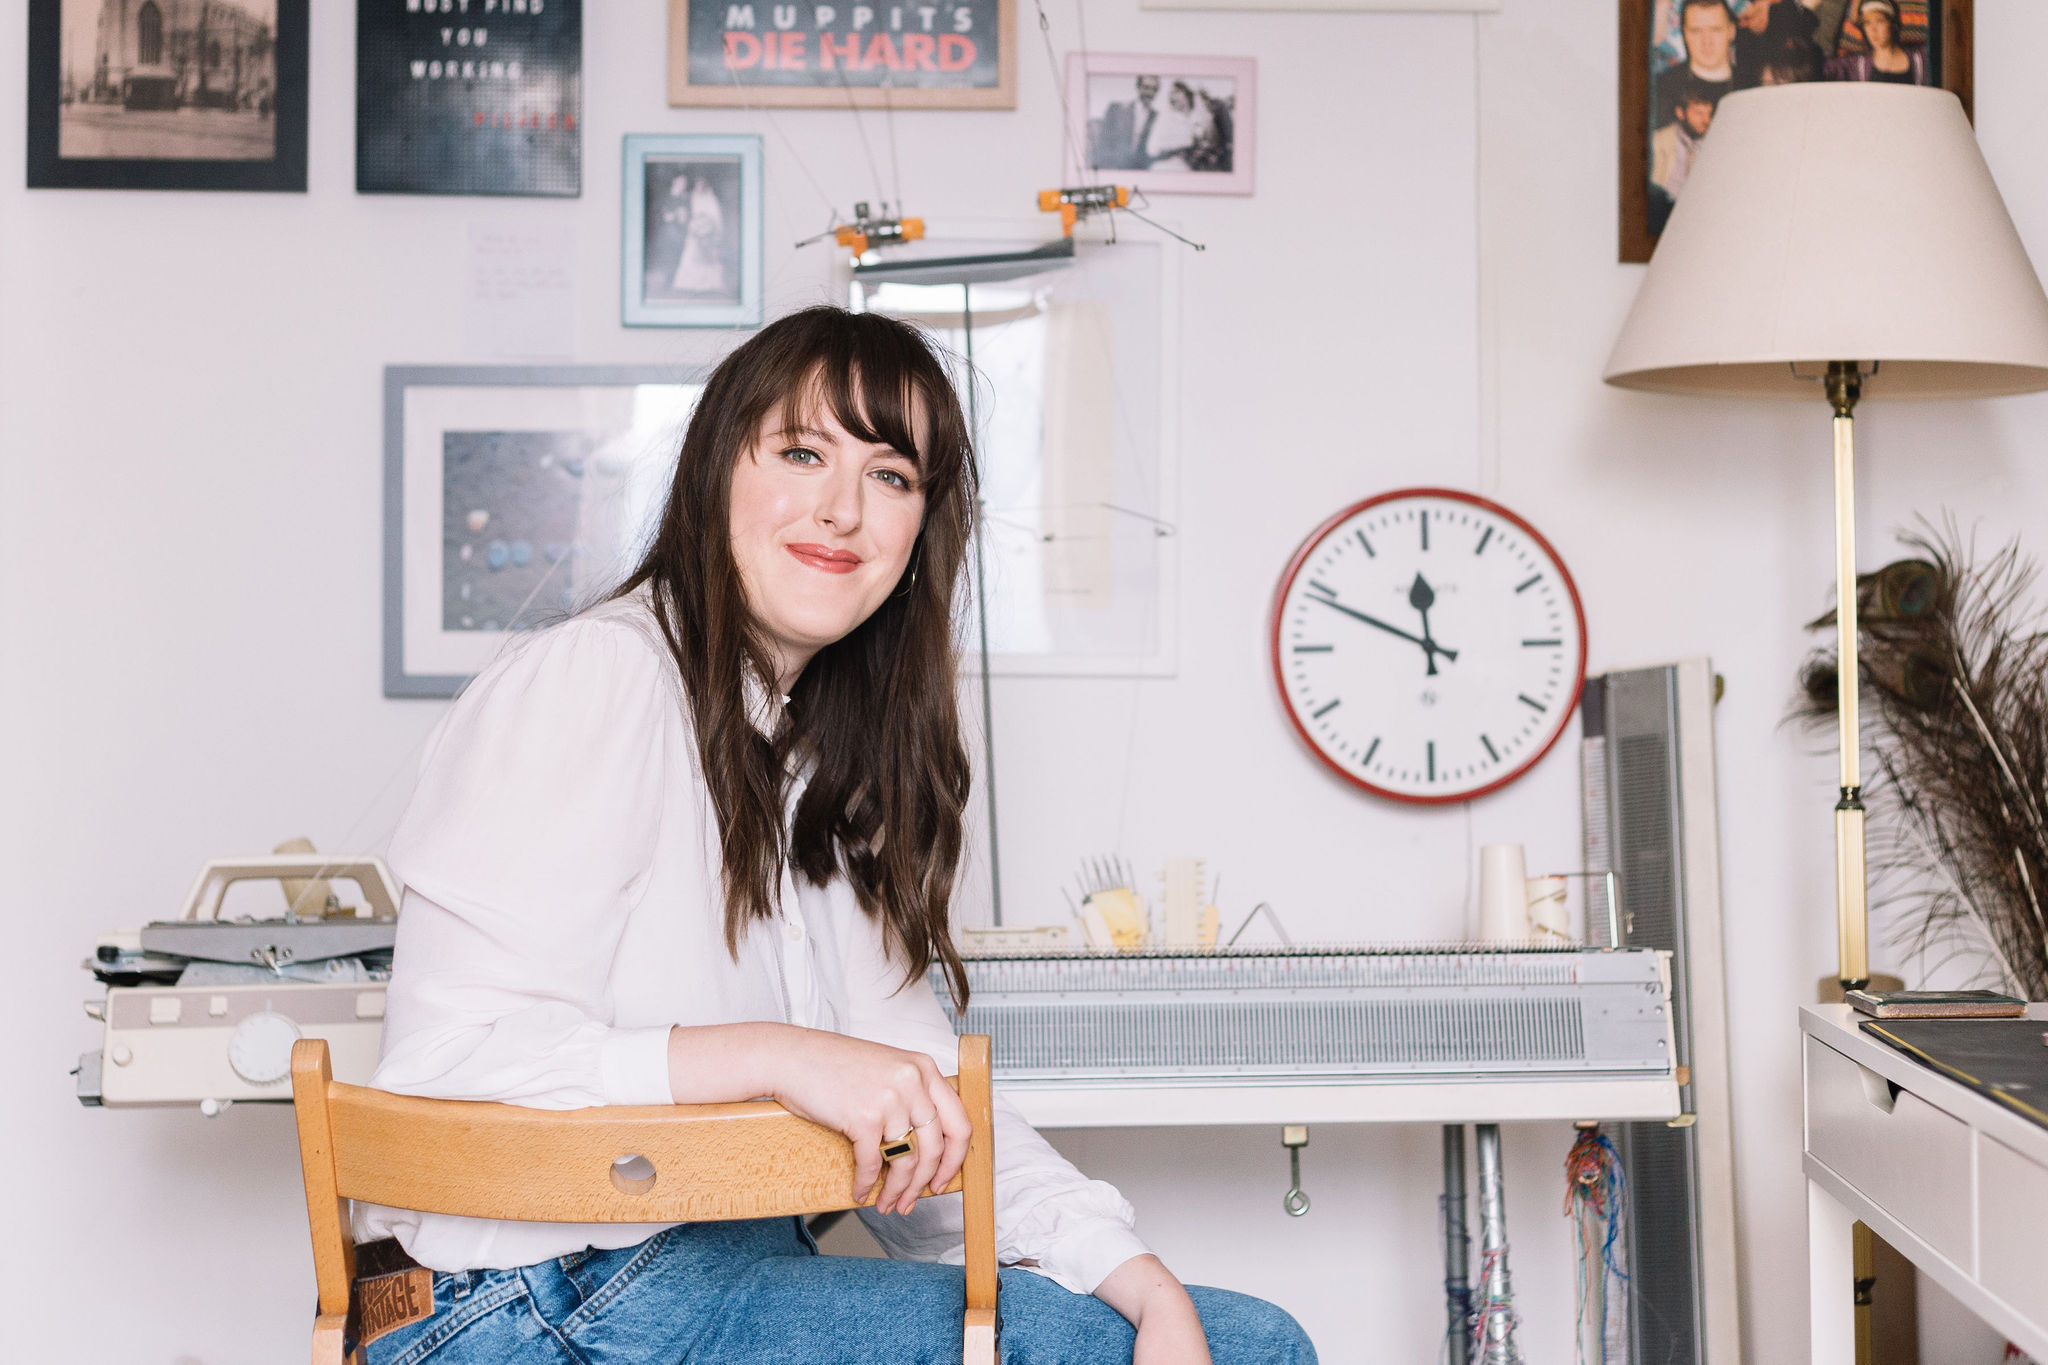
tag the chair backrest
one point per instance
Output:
(657, 1164)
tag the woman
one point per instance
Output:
(1886, 60)
(700, 271)
(696, 845)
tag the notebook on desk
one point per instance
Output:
(2002, 1059)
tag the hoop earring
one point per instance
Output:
(904, 591)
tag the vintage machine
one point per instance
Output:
(204, 1010)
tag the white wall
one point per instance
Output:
(1423, 291)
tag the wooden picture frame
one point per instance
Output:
(1938, 36)
(156, 108)
(896, 61)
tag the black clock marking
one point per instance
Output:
(1422, 520)
(1542, 644)
(1490, 751)
(1529, 582)
(1485, 536)
(1528, 700)
(1313, 649)
(1328, 707)
(1367, 544)
(1370, 750)
(1431, 748)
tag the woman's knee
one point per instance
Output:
(1243, 1330)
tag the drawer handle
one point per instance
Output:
(1881, 1093)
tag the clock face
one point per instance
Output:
(1429, 645)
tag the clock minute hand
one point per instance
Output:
(1358, 615)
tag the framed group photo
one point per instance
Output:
(513, 496)
(691, 251)
(167, 94)
(1680, 57)
(960, 55)
(1163, 125)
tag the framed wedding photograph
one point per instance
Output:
(691, 252)
(960, 55)
(1680, 57)
(167, 94)
(1163, 125)
(514, 496)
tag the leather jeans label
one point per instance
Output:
(388, 1302)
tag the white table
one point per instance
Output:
(1499, 1100)
(1957, 1182)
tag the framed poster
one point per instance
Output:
(1165, 125)
(513, 496)
(469, 97)
(164, 95)
(691, 252)
(1679, 57)
(960, 54)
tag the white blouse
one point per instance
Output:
(564, 908)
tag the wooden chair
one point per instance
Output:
(701, 1163)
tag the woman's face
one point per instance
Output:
(1181, 100)
(823, 525)
(1877, 27)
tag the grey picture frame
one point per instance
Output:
(405, 674)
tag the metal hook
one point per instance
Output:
(1294, 1137)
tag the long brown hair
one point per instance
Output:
(874, 716)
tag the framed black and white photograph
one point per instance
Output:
(513, 496)
(167, 94)
(1164, 125)
(1681, 56)
(483, 97)
(691, 249)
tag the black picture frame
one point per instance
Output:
(1948, 45)
(465, 102)
(48, 168)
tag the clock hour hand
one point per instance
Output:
(1374, 621)
(1422, 597)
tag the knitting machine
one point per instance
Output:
(204, 1010)
(1320, 1015)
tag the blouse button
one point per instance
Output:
(793, 931)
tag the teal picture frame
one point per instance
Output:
(690, 230)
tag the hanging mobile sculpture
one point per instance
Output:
(1493, 1321)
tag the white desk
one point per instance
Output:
(1509, 1100)
(1957, 1182)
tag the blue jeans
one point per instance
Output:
(759, 1291)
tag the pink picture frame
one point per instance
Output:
(1162, 125)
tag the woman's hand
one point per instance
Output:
(868, 1091)
(1169, 1329)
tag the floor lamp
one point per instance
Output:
(1839, 240)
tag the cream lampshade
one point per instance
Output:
(1839, 240)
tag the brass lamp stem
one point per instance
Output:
(1852, 912)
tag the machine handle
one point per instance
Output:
(380, 889)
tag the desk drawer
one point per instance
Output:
(2013, 1264)
(1906, 1156)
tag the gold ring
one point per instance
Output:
(895, 1149)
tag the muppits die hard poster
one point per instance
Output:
(903, 44)
(469, 97)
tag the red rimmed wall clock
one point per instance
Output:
(1429, 645)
